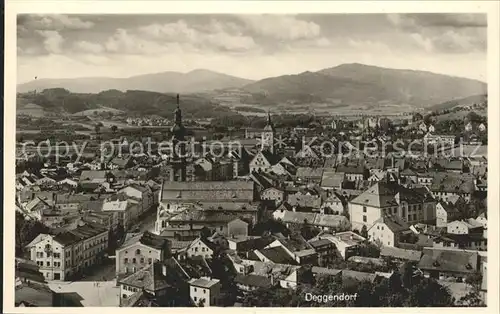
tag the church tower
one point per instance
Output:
(268, 134)
(178, 158)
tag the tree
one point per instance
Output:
(417, 117)
(26, 231)
(97, 128)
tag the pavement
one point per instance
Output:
(104, 294)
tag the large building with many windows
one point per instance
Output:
(381, 199)
(66, 255)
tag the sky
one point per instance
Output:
(248, 46)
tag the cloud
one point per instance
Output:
(281, 27)
(217, 36)
(52, 22)
(52, 41)
(455, 20)
(448, 33)
(86, 46)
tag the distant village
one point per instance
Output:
(273, 215)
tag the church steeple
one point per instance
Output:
(178, 129)
(269, 127)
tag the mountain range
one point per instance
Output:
(346, 85)
(164, 82)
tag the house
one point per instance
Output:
(445, 185)
(273, 194)
(325, 249)
(234, 197)
(332, 179)
(400, 255)
(305, 199)
(31, 289)
(425, 178)
(346, 243)
(292, 251)
(200, 247)
(422, 127)
(158, 284)
(335, 223)
(446, 212)
(127, 211)
(263, 161)
(69, 182)
(332, 205)
(309, 175)
(387, 230)
(67, 254)
(411, 205)
(288, 276)
(352, 173)
(71, 203)
(432, 139)
(121, 163)
(464, 227)
(322, 221)
(448, 263)
(139, 251)
(244, 244)
(143, 194)
(205, 291)
(481, 219)
(250, 282)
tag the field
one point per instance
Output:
(459, 115)
(98, 110)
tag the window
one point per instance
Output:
(137, 252)
(125, 260)
(203, 249)
(48, 264)
(57, 255)
(134, 260)
(196, 249)
(364, 209)
(142, 260)
(204, 291)
(364, 218)
(195, 290)
(378, 227)
(150, 260)
(382, 227)
(195, 298)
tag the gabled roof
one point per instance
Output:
(150, 278)
(385, 194)
(204, 282)
(209, 190)
(449, 260)
(278, 255)
(403, 254)
(394, 223)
